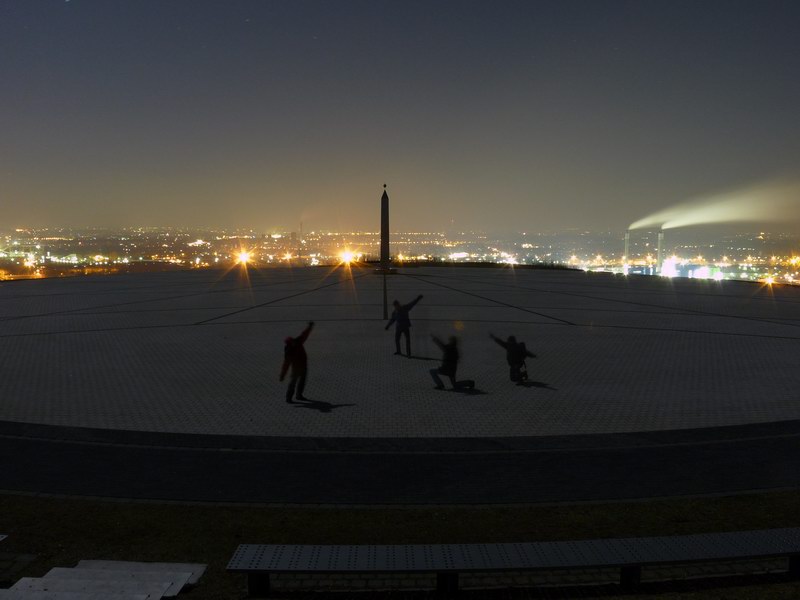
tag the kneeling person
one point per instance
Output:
(516, 353)
(449, 365)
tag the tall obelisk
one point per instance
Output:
(385, 230)
(385, 248)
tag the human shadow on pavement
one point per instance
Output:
(466, 391)
(537, 384)
(319, 405)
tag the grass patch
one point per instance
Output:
(63, 531)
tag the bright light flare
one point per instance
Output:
(243, 257)
(347, 256)
(669, 268)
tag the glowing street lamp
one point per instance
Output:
(243, 257)
(347, 256)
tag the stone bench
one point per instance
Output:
(629, 555)
(115, 580)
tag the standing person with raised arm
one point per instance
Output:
(403, 327)
(294, 356)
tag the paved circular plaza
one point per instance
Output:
(165, 387)
(200, 352)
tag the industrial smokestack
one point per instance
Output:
(625, 259)
(660, 248)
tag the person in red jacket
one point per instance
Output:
(294, 356)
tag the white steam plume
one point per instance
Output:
(766, 202)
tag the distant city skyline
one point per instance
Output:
(515, 116)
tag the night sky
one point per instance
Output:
(499, 116)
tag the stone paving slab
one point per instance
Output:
(151, 590)
(195, 570)
(199, 353)
(59, 595)
(176, 579)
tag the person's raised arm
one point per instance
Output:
(304, 336)
(413, 303)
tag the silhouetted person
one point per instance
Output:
(449, 365)
(516, 353)
(403, 327)
(294, 356)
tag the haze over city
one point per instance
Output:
(537, 116)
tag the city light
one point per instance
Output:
(751, 256)
(508, 259)
(669, 267)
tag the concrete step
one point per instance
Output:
(40, 595)
(151, 590)
(195, 569)
(176, 580)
